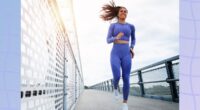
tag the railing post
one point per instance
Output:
(108, 86)
(119, 88)
(105, 86)
(172, 84)
(112, 86)
(141, 83)
(102, 86)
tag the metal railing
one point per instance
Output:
(51, 73)
(159, 80)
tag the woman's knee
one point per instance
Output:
(117, 77)
(126, 79)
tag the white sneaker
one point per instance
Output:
(116, 94)
(125, 106)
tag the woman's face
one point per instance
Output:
(122, 13)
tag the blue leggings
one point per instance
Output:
(121, 57)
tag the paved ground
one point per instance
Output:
(99, 100)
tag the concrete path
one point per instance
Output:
(99, 100)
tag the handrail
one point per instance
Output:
(158, 63)
(170, 80)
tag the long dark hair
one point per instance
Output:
(110, 11)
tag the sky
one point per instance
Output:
(157, 34)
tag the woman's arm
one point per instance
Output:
(110, 37)
(133, 40)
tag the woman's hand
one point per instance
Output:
(132, 52)
(119, 35)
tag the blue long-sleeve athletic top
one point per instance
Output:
(127, 29)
